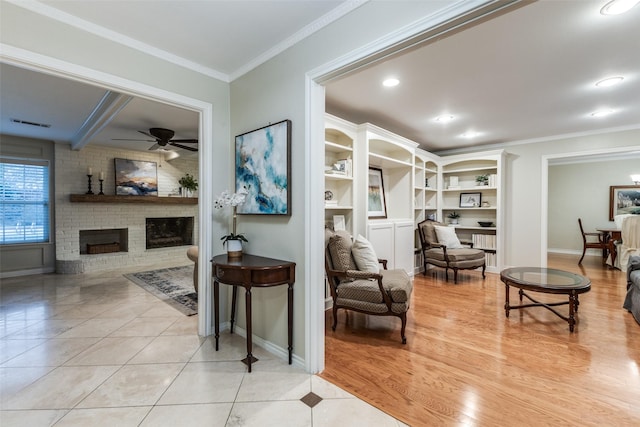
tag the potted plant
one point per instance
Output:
(482, 179)
(233, 241)
(188, 184)
(453, 217)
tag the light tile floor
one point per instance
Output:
(97, 350)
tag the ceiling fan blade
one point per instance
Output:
(184, 147)
(185, 141)
(123, 139)
(154, 147)
(148, 134)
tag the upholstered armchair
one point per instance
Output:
(441, 247)
(192, 254)
(358, 284)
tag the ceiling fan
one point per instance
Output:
(162, 137)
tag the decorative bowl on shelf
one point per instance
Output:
(485, 223)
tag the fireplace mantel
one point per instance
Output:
(96, 198)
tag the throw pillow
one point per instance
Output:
(447, 236)
(340, 250)
(364, 255)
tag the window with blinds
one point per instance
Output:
(24, 201)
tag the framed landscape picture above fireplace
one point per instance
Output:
(136, 178)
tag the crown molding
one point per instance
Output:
(305, 32)
(105, 33)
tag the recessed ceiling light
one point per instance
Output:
(445, 118)
(616, 7)
(610, 81)
(391, 82)
(470, 134)
(602, 113)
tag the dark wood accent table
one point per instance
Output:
(548, 281)
(610, 236)
(251, 271)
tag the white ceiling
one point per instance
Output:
(524, 75)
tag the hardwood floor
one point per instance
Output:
(465, 363)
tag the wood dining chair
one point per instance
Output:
(593, 240)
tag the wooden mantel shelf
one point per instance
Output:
(95, 198)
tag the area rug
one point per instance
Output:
(172, 285)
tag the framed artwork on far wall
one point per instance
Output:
(136, 178)
(624, 199)
(263, 168)
(377, 206)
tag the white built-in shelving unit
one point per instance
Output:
(418, 185)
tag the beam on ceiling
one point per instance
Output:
(103, 113)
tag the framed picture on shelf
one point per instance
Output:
(136, 178)
(263, 167)
(377, 207)
(624, 199)
(338, 223)
(470, 200)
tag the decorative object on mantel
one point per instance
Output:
(89, 175)
(188, 185)
(136, 178)
(232, 241)
(263, 169)
(101, 181)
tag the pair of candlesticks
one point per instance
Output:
(89, 175)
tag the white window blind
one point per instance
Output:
(24, 201)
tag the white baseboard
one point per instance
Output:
(281, 353)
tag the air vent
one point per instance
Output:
(26, 122)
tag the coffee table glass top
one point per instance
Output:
(545, 278)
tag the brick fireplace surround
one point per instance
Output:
(70, 217)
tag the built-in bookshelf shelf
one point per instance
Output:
(104, 198)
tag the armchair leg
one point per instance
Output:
(446, 274)
(484, 267)
(335, 316)
(455, 276)
(403, 317)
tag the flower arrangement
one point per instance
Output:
(235, 199)
(453, 215)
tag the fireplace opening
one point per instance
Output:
(104, 241)
(167, 232)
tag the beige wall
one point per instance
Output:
(581, 190)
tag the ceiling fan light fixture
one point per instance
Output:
(602, 113)
(390, 82)
(616, 7)
(445, 118)
(610, 81)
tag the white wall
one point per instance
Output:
(581, 190)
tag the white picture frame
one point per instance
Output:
(339, 223)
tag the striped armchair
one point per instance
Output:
(385, 293)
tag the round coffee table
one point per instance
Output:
(547, 281)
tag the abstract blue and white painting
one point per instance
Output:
(262, 168)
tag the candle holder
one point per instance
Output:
(89, 192)
(101, 181)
